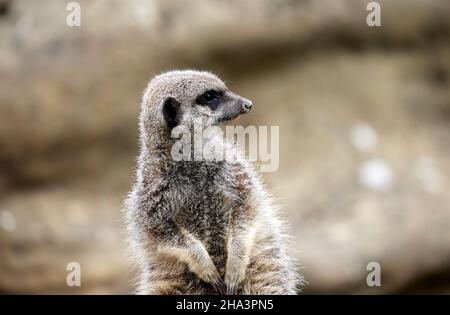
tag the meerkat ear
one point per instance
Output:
(172, 112)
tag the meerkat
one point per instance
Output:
(201, 227)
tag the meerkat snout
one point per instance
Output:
(246, 105)
(231, 106)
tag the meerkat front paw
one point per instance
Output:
(233, 283)
(209, 274)
(205, 268)
(233, 280)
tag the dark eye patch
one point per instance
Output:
(210, 98)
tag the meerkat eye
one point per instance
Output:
(208, 97)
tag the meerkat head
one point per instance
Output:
(186, 97)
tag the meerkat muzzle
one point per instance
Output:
(246, 105)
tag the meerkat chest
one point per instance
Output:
(210, 198)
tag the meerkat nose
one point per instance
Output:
(246, 105)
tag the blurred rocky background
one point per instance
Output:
(364, 116)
